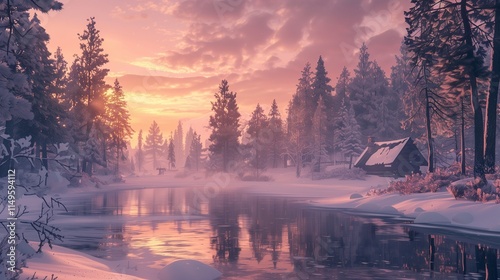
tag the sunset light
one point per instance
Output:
(249, 139)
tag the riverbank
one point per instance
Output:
(438, 208)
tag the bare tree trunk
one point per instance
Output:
(45, 161)
(491, 264)
(430, 145)
(478, 114)
(224, 157)
(462, 138)
(117, 160)
(432, 253)
(457, 148)
(298, 164)
(491, 103)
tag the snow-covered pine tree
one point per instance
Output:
(46, 126)
(341, 91)
(90, 80)
(400, 81)
(15, 36)
(350, 134)
(386, 102)
(341, 96)
(320, 120)
(372, 100)
(153, 144)
(195, 152)
(179, 144)
(188, 140)
(322, 89)
(225, 128)
(118, 120)
(61, 80)
(139, 154)
(298, 145)
(259, 140)
(276, 127)
(171, 153)
(361, 96)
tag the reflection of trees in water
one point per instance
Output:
(486, 261)
(267, 219)
(225, 227)
(326, 238)
(315, 237)
(114, 245)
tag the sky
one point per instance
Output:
(171, 55)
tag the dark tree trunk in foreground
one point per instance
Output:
(430, 145)
(478, 114)
(462, 138)
(45, 160)
(491, 103)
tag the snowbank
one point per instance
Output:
(188, 270)
(70, 264)
(438, 208)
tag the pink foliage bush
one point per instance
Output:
(419, 183)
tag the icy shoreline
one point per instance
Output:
(438, 208)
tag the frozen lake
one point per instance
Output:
(256, 237)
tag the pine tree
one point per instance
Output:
(386, 101)
(322, 89)
(350, 134)
(276, 127)
(298, 121)
(195, 152)
(224, 124)
(401, 79)
(361, 94)
(341, 96)
(153, 144)
(140, 153)
(46, 126)
(459, 45)
(16, 36)
(171, 153)
(179, 144)
(342, 90)
(257, 126)
(61, 80)
(89, 86)
(320, 121)
(118, 120)
(189, 140)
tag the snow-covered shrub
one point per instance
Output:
(420, 183)
(497, 186)
(253, 177)
(28, 184)
(341, 173)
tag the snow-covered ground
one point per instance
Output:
(430, 208)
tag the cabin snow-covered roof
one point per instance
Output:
(384, 152)
(387, 152)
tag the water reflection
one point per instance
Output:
(256, 237)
